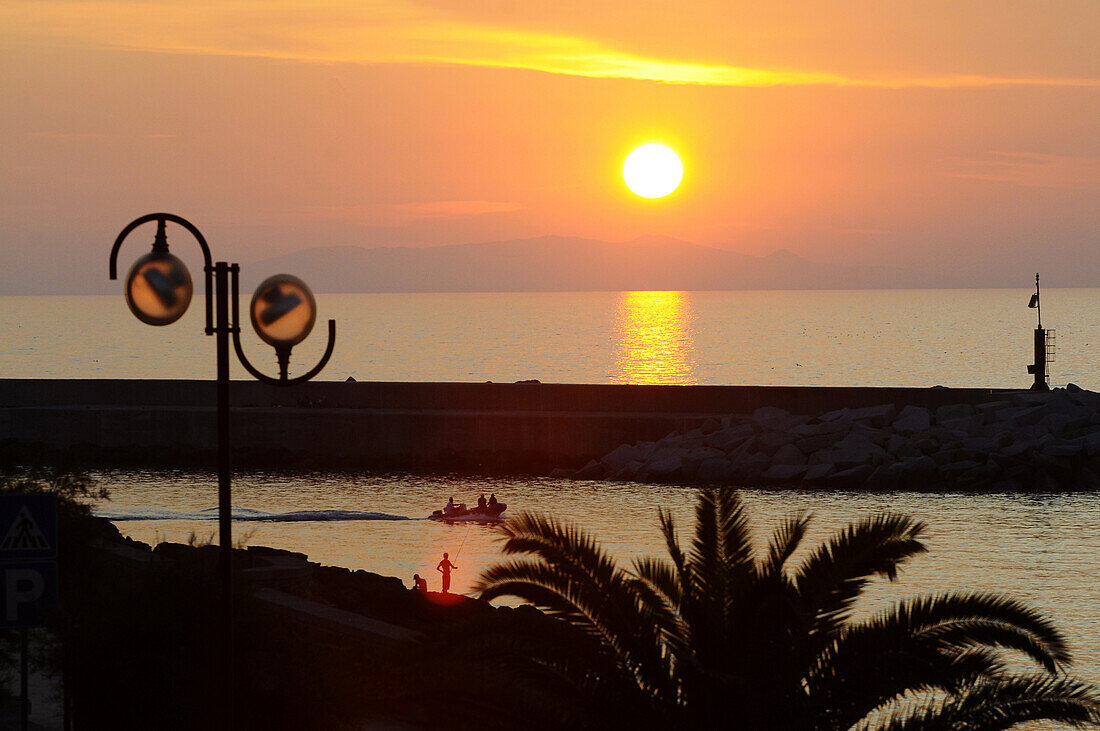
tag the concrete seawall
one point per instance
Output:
(523, 428)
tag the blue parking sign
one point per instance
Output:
(28, 559)
(28, 593)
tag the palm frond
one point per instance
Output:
(785, 541)
(704, 558)
(573, 578)
(994, 706)
(675, 552)
(835, 574)
(657, 586)
(733, 531)
(868, 667)
(661, 575)
(981, 618)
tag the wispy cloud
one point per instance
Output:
(395, 214)
(1031, 169)
(447, 209)
(398, 31)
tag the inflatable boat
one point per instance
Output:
(462, 514)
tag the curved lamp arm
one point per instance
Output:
(283, 354)
(161, 218)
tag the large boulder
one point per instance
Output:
(592, 471)
(788, 454)
(963, 424)
(843, 459)
(629, 472)
(809, 445)
(769, 441)
(838, 428)
(921, 468)
(621, 456)
(771, 417)
(886, 477)
(913, 419)
(876, 416)
(1021, 415)
(728, 438)
(849, 479)
(950, 412)
(665, 466)
(901, 448)
(818, 472)
(714, 470)
(783, 473)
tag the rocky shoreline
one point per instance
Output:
(1030, 441)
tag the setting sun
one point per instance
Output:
(653, 171)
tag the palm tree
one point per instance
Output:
(720, 635)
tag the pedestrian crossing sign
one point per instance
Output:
(28, 527)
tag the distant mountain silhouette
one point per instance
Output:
(565, 264)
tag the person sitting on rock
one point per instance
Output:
(420, 584)
(492, 499)
(481, 502)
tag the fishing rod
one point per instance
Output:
(460, 547)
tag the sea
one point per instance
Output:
(1041, 548)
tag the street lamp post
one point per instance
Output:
(158, 290)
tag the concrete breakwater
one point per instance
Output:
(518, 428)
(1022, 441)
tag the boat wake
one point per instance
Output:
(247, 514)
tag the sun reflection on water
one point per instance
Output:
(653, 335)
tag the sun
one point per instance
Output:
(653, 171)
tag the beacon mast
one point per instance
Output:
(1044, 345)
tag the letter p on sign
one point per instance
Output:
(21, 586)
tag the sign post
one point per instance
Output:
(28, 570)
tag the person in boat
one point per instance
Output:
(420, 584)
(492, 500)
(445, 566)
(481, 502)
(450, 506)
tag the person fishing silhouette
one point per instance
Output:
(444, 568)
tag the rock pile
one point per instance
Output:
(1029, 441)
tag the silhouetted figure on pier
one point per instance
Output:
(420, 584)
(444, 568)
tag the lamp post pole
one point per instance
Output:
(158, 291)
(225, 476)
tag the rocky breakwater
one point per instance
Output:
(1029, 441)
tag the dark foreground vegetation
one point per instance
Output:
(717, 635)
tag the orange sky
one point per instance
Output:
(907, 134)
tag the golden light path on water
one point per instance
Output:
(653, 336)
(1043, 549)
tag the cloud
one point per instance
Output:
(448, 209)
(398, 31)
(1031, 169)
(401, 214)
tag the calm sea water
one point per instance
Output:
(828, 338)
(1043, 549)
